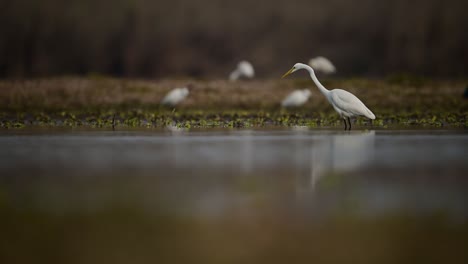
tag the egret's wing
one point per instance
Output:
(171, 97)
(328, 66)
(322, 64)
(348, 102)
(234, 75)
(293, 99)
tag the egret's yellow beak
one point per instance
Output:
(286, 74)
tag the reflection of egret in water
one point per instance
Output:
(244, 169)
(341, 153)
(246, 151)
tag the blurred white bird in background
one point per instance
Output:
(175, 96)
(296, 98)
(346, 104)
(322, 64)
(244, 70)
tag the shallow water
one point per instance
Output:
(223, 188)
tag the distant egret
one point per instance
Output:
(296, 98)
(244, 70)
(175, 96)
(346, 104)
(322, 64)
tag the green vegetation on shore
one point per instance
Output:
(99, 102)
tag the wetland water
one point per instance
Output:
(234, 196)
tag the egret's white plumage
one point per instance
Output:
(346, 104)
(296, 98)
(244, 70)
(175, 96)
(322, 64)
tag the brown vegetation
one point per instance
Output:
(98, 92)
(98, 102)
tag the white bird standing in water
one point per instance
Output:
(175, 96)
(346, 104)
(244, 70)
(322, 64)
(296, 98)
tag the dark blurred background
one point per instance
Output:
(206, 38)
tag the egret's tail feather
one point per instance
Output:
(370, 115)
(234, 75)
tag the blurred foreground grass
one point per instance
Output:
(100, 102)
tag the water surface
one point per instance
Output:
(252, 196)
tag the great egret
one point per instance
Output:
(322, 64)
(296, 98)
(346, 104)
(244, 70)
(175, 96)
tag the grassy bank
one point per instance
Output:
(99, 102)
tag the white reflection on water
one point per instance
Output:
(341, 153)
(306, 159)
(216, 172)
(246, 151)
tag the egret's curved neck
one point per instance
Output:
(316, 81)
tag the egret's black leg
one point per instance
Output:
(345, 125)
(349, 121)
